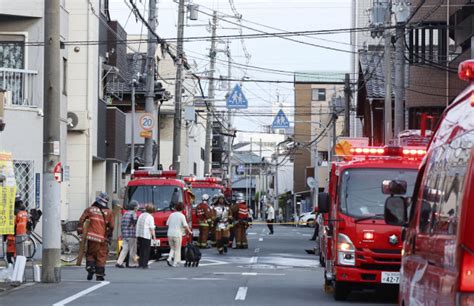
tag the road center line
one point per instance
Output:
(241, 294)
(260, 239)
(80, 294)
(253, 259)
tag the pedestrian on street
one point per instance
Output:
(145, 232)
(16, 242)
(129, 237)
(316, 224)
(203, 213)
(101, 226)
(177, 228)
(270, 217)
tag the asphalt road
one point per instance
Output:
(275, 270)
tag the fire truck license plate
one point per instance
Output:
(390, 277)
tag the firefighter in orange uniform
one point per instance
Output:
(101, 226)
(241, 215)
(203, 213)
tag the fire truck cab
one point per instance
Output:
(208, 185)
(163, 190)
(360, 250)
(438, 222)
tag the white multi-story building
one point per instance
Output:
(21, 76)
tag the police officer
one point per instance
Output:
(203, 213)
(222, 221)
(101, 226)
(241, 215)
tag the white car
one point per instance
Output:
(307, 219)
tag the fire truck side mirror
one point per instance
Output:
(393, 187)
(323, 202)
(396, 211)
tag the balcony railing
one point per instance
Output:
(22, 85)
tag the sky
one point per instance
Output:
(274, 53)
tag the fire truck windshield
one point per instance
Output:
(361, 190)
(199, 192)
(162, 197)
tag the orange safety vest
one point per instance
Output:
(20, 222)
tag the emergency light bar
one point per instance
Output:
(154, 173)
(466, 71)
(193, 179)
(388, 151)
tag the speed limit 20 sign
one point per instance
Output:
(147, 122)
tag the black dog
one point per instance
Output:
(192, 255)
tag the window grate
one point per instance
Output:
(25, 181)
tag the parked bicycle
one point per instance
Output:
(69, 240)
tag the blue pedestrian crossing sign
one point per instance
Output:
(237, 99)
(280, 121)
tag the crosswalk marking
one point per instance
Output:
(241, 294)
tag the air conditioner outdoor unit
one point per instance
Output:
(77, 121)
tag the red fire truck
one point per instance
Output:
(163, 190)
(208, 185)
(438, 222)
(360, 250)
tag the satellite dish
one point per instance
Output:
(311, 182)
(72, 120)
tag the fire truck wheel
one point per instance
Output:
(341, 291)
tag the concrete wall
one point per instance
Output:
(23, 8)
(83, 96)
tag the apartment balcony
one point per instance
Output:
(21, 87)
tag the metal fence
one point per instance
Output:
(25, 181)
(22, 85)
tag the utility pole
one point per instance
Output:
(51, 266)
(211, 89)
(229, 116)
(276, 204)
(132, 149)
(178, 90)
(402, 13)
(150, 80)
(347, 111)
(388, 135)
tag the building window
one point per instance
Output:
(203, 155)
(25, 181)
(12, 51)
(318, 94)
(64, 76)
(415, 114)
(195, 168)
